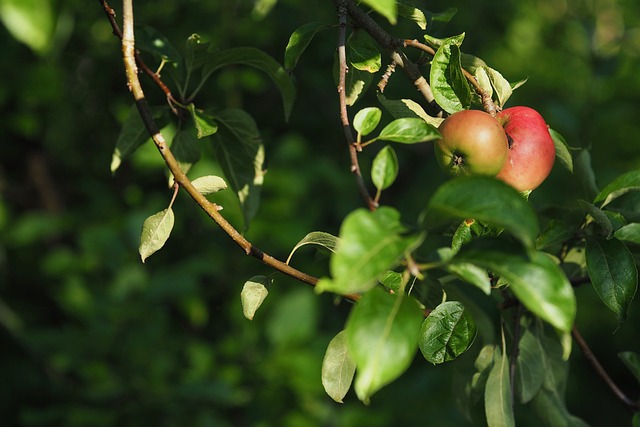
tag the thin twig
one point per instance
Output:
(354, 148)
(111, 15)
(210, 208)
(601, 372)
(392, 45)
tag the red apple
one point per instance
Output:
(531, 148)
(473, 143)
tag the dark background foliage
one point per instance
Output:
(90, 336)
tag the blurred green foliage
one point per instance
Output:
(90, 336)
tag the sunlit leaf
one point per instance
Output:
(446, 333)
(613, 273)
(472, 274)
(253, 295)
(370, 243)
(392, 280)
(450, 88)
(400, 108)
(319, 238)
(563, 153)
(366, 120)
(299, 41)
(501, 87)
(409, 130)
(209, 184)
(384, 169)
(257, 59)
(338, 368)
(630, 181)
(155, 232)
(205, 123)
(362, 53)
(386, 8)
(382, 336)
(413, 14)
(629, 233)
(31, 22)
(483, 199)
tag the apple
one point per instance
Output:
(473, 143)
(531, 148)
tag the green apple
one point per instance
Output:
(531, 148)
(473, 143)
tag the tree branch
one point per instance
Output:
(354, 148)
(211, 209)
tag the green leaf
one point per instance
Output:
(497, 398)
(482, 365)
(409, 130)
(472, 274)
(384, 169)
(413, 14)
(155, 232)
(629, 233)
(362, 53)
(338, 368)
(636, 420)
(253, 295)
(631, 359)
(535, 279)
(630, 181)
(209, 184)
(502, 88)
(450, 88)
(585, 174)
(257, 59)
(556, 232)
(356, 82)
(320, 238)
(400, 108)
(613, 273)
(299, 41)
(205, 123)
(549, 403)
(446, 333)
(382, 332)
(133, 134)
(386, 8)
(530, 363)
(185, 148)
(484, 199)
(366, 120)
(370, 243)
(31, 22)
(149, 40)
(392, 280)
(563, 153)
(598, 216)
(240, 152)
